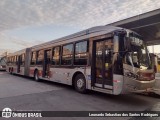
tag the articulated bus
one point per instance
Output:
(3, 63)
(104, 58)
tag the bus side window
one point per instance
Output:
(39, 57)
(33, 59)
(15, 62)
(56, 56)
(81, 53)
(11, 60)
(67, 54)
(15, 59)
(22, 59)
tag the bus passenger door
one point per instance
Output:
(102, 64)
(46, 64)
(18, 64)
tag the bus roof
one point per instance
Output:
(91, 32)
(17, 52)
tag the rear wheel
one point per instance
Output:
(80, 83)
(36, 76)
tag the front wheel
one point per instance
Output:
(80, 83)
(36, 76)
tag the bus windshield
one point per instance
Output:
(138, 55)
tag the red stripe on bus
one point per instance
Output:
(31, 72)
(116, 80)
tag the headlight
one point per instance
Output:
(146, 76)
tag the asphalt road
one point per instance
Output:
(20, 93)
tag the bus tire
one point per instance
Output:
(80, 83)
(36, 76)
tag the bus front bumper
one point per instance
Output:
(136, 85)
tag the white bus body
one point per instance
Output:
(100, 59)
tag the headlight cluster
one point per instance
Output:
(146, 76)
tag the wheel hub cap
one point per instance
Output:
(80, 83)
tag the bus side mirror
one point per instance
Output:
(127, 44)
(116, 43)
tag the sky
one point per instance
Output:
(24, 23)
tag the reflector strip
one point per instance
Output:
(116, 81)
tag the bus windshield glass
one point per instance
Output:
(138, 53)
